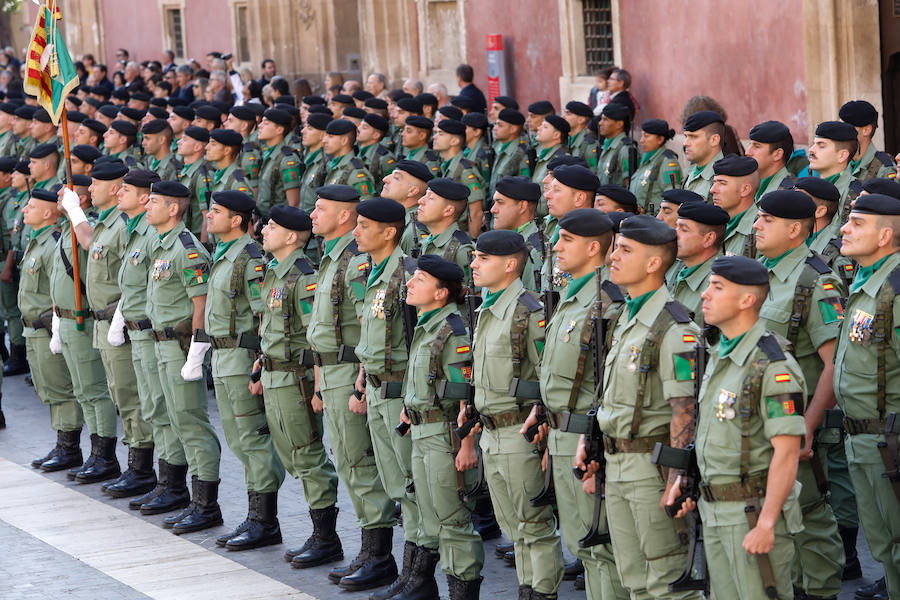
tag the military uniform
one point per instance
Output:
(865, 394)
(130, 156)
(850, 188)
(688, 284)
(740, 238)
(379, 161)
(531, 276)
(197, 177)
(426, 156)
(544, 156)
(168, 168)
(508, 343)
(700, 179)
(871, 165)
(511, 159)
(618, 160)
(24, 146)
(248, 161)
(774, 410)
(279, 171)
(780, 180)
(349, 170)
(313, 177)
(10, 240)
(414, 233)
(451, 244)
(658, 170)
(7, 143)
(231, 177)
(479, 154)
(584, 145)
(466, 172)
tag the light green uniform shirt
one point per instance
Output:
(464, 171)
(178, 274)
(447, 246)
(105, 259)
(34, 278)
(736, 239)
(613, 166)
(687, 289)
(279, 172)
(197, 177)
(62, 288)
(168, 168)
(511, 159)
(136, 263)
(701, 182)
(654, 175)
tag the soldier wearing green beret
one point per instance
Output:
(868, 162)
(658, 169)
(343, 167)
(515, 203)
(449, 139)
(747, 439)
(618, 157)
(406, 184)
(704, 134)
(700, 230)
(736, 179)
(376, 156)
(550, 140)
(439, 211)
(279, 170)
(196, 175)
(771, 145)
(833, 147)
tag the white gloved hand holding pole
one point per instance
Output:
(71, 203)
(193, 366)
(55, 342)
(116, 333)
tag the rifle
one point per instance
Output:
(632, 163)
(408, 313)
(473, 300)
(473, 417)
(890, 455)
(548, 296)
(416, 250)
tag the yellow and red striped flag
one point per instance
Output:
(50, 73)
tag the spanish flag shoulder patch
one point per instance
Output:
(782, 378)
(193, 255)
(688, 339)
(542, 323)
(311, 287)
(462, 349)
(828, 287)
(363, 267)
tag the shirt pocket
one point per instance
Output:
(775, 314)
(497, 367)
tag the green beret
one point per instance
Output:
(586, 222)
(741, 270)
(500, 242)
(646, 229)
(440, 268)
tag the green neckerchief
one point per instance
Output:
(104, 213)
(185, 169)
(770, 263)
(218, 175)
(41, 184)
(523, 227)
(635, 304)
(363, 150)
(330, 244)
(606, 143)
(686, 272)
(545, 152)
(490, 298)
(833, 178)
(504, 146)
(334, 163)
(4, 189)
(34, 234)
(466, 151)
(445, 164)
(154, 163)
(377, 270)
(647, 156)
(555, 237)
(812, 237)
(222, 248)
(733, 223)
(426, 316)
(853, 164)
(762, 185)
(268, 152)
(134, 222)
(273, 263)
(727, 345)
(574, 286)
(697, 170)
(864, 273)
(313, 156)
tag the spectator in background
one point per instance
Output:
(465, 75)
(376, 84)
(350, 86)
(219, 88)
(301, 88)
(122, 56)
(101, 77)
(599, 94)
(332, 78)
(268, 71)
(168, 61)
(171, 77)
(200, 84)
(252, 93)
(183, 80)
(413, 87)
(11, 59)
(6, 77)
(618, 85)
(119, 79)
(440, 92)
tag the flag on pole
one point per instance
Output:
(50, 74)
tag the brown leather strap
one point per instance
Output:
(63, 313)
(141, 325)
(505, 419)
(753, 487)
(638, 445)
(858, 426)
(222, 343)
(432, 415)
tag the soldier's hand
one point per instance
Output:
(544, 458)
(7, 275)
(542, 432)
(759, 540)
(318, 405)
(255, 388)
(356, 404)
(589, 486)
(806, 452)
(672, 493)
(467, 457)
(403, 416)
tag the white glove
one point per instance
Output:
(71, 203)
(55, 342)
(193, 366)
(116, 333)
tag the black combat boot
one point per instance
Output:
(206, 511)
(106, 465)
(525, 592)
(139, 478)
(410, 552)
(579, 582)
(573, 569)
(72, 473)
(36, 463)
(162, 479)
(264, 529)
(852, 568)
(483, 519)
(365, 544)
(500, 550)
(421, 584)
(251, 510)
(175, 495)
(379, 568)
(17, 363)
(540, 596)
(463, 590)
(323, 546)
(68, 452)
(872, 591)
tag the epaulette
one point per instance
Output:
(381, 150)
(304, 266)
(613, 291)
(130, 161)
(894, 280)
(56, 235)
(353, 248)
(769, 344)
(462, 237)
(253, 250)
(589, 138)
(187, 240)
(421, 226)
(816, 262)
(409, 263)
(287, 150)
(249, 147)
(856, 186)
(786, 183)
(627, 141)
(466, 163)
(669, 154)
(530, 302)
(124, 218)
(535, 241)
(885, 159)
(836, 242)
(356, 163)
(430, 155)
(678, 311)
(456, 324)
(239, 175)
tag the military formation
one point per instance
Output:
(518, 321)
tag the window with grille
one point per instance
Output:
(598, 35)
(241, 28)
(175, 31)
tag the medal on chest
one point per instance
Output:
(633, 354)
(725, 405)
(97, 251)
(161, 269)
(646, 177)
(568, 331)
(275, 298)
(31, 264)
(135, 257)
(377, 307)
(861, 328)
(560, 278)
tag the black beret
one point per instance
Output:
(837, 131)
(788, 204)
(577, 177)
(140, 96)
(564, 160)
(858, 113)
(313, 100)
(279, 117)
(8, 107)
(770, 132)
(8, 164)
(741, 270)
(511, 116)
(452, 127)
(416, 169)
(158, 113)
(376, 103)
(427, 99)
(290, 217)
(22, 167)
(340, 127)
(820, 188)
(94, 102)
(26, 112)
(658, 127)
(463, 102)
(735, 166)
(586, 222)
(702, 212)
(476, 120)
(86, 153)
(110, 111)
(646, 229)
(258, 108)
(616, 112)
(109, 170)
(291, 110)
(183, 112)
(617, 217)
(677, 196)
(243, 113)
(507, 102)
(338, 193)
(342, 99)
(383, 210)
(410, 105)
(579, 108)
(354, 112)
(449, 189)
(170, 188)
(876, 204)
(227, 137)
(234, 200)
(142, 178)
(362, 95)
(320, 109)
(160, 102)
(286, 99)
(500, 242)
(420, 122)
(132, 113)
(451, 112)
(125, 128)
(887, 187)
(541, 107)
(558, 123)
(518, 187)
(617, 194)
(40, 114)
(173, 101)
(45, 195)
(43, 151)
(121, 94)
(701, 119)
(79, 180)
(201, 134)
(72, 98)
(440, 268)
(155, 126)
(378, 122)
(318, 121)
(75, 116)
(210, 113)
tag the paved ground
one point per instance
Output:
(65, 540)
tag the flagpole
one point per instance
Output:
(76, 271)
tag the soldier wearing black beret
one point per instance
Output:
(372, 149)
(208, 117)
(868, 162)
(551, 140)
(700, 231)
(618, 155)
(280, 169)
(414, 136)
(44, 164)
(132, 115)
(536, 113)
(581, 141)
(119, 141)
(344, 168)
(658, 168)
(830, 157)
(511, 156)
(825, 238)
(439, 210)
(450, 141)
(613, 198)
(406, 184)
(671, 200)
(734, 189)
(704, 135)
(772, 146)
(157, 138)
(476, 148)
(222, 152)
